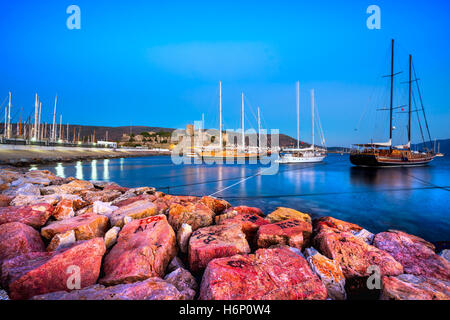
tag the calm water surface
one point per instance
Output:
(415, 200)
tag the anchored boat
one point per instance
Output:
(385, 154)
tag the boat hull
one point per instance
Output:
(373, 160)
(288, 160)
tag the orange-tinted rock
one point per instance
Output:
(282, 213)
(161, 206)
(86, 226)
(212, 242)
(35, 215)
(249, 223)
(64, 209)
(415, 254)
(115, 187)
(135, 210)
(107, 195)
(292, 232)
(245, 210)
(170, 199)
(143, 250)
(329, 272)
(62, 240)
(42, 272)
(150, 289)
(354, 255)
(216, 205)
(17, 238)
(5, 200)
(337, 224)
(269, 274)
(411, 287)
(197, 215)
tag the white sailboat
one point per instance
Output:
(302, 155)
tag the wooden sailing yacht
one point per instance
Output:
(385, 154)
(302, 155)
(222, 152)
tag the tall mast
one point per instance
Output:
(220, 115)
(392, 94)
(243, 130)
(409, 105)
(54, 121)
(20, 127)
(298, 114)
(9, 117)
(6, 122)
(39, 120)
(60, 126)
(35, 117)
(259, 129)
(312, 116)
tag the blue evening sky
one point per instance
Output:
(158, 63)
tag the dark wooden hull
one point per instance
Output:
(373, 160)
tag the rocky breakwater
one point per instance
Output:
(66, 239)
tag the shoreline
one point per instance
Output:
(22, 156)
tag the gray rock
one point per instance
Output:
(184, 282)
(445, 254)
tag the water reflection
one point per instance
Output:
(79, 170)
(389, 177)
(60, 170)
(106, 170)
(94, 170)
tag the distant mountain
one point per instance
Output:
(443, 144)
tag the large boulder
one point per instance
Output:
(411, 287)
(249, 223)
(415, 254)
(294, 233)
(86, 226)
(143, 250)
(135, 210)
(150, 289)
(245, 210)
(42, 272)
(217, 241)
(17, 238)
(64, 209)
(35, 215)
(354, 255)
(91, 196)
(27, 200)
(333, 223)
(184, 282)
(216, 205)
(269, 274)
(282, 213)
(329, 272)
(197, 215)
(74, 186)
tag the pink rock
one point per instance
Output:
(143, 250)
(86, 226)
(246, 210)
(212, 242)
(415, 254)
(135, 210)
(42, 272)
(411, 287)
(150, 289)
(64, 209)
(292, 232)
(354, 255)
(35, 215)
(17, 238)
(333, 223)
(249, 223)
(269, 274)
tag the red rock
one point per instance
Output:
(143, 250)
(86, 226)
(216, 205)
(411, 287)
(136, 210)
(161, 206)
(150, 289)
(107, 195)
(115, 187)
(292, 232)
(415, 254)
(179, 199)
(17, 238)
(130, 200)
(64, 210)
(5, 200)
(269, 274)
(212, 242)
(249, 223)
(246, 210)
(197, 215)
(354, 255)
(333, 223)
(35, 215)
(42, 272)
